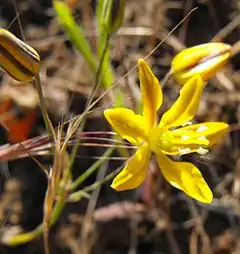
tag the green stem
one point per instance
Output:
(27, 237)
(98, 73)
(58, 208)
(51, 133)
(60, 204)
(102, 61)
(76, 196)
(79, 40)
(46, 118)
(92, 169)
(75, 33)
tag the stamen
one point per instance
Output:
(187, 123)
(185, 137)
(202, 151)
(202, 138)
(202, 128)
(183, 151)
(160, 139)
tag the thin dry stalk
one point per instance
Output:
(54, 177)
(199, 232)
(86, 248)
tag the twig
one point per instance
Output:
(227, 29)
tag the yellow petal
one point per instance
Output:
(184, 109)
(205, 60)
(151, 92)
(134, 172)
(213, 131)
(186, 177)
(127, 124)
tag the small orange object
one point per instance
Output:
(18, 127)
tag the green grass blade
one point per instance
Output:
(79, 40)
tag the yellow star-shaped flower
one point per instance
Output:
(165, 138)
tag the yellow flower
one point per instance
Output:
(165, 138)
(205, 60)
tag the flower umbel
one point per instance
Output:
(166, 137)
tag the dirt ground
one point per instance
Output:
(155, 218)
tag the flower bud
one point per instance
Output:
(111, 14)
(204, 60)
(17, 58)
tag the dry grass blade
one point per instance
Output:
(54, 179)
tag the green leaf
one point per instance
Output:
(79, 40)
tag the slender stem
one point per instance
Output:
(76, 196)
(48, 123)
(92, 169)
(75, 148)
(57, 211)
(84, 236)
(51, 133)
(235, 49)
(99, 70)
(27, 237)
(166, 78)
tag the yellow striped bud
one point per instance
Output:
(204, 60)
(17, 58)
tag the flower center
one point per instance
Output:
(160, 139)
(176, 142)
